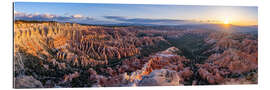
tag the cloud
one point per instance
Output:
(19, 14)
(147, 21)
(77, 16)
(49, 17)
(38, 17)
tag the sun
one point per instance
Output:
(226, 21)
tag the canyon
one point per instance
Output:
(55, 54)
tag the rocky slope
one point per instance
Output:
(55, 50)
(235, 56)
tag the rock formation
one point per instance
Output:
(162, 77)
(27, 82)
(53, 54)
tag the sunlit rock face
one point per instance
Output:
(77, 45)
(63, 50)
(158, 66)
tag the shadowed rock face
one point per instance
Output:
(234, 55)
(27, 82)
(161, 77)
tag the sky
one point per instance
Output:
(90, 13)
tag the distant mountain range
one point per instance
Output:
(235, 28)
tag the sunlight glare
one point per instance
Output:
(226, 21)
